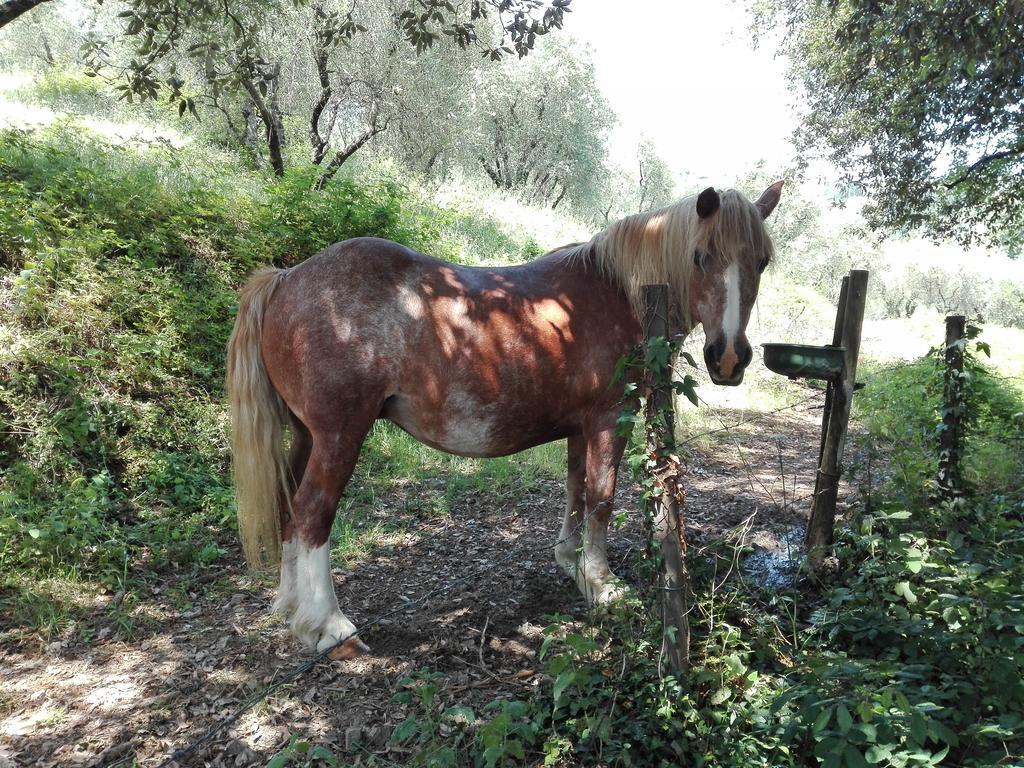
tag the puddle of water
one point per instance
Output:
(774, 569)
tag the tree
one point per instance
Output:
(656, 187)
(159, 27)
(251, 58)
(648, 183)
(918, 102)
(12, 9)
(230, 39)
(542, 128)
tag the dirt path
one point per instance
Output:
(198, 653)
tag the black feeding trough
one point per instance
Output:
(804, 361)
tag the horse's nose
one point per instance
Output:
(746, 354)
(713, 355)
(726, 362)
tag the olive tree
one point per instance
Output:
(920, 103)
(541, 127)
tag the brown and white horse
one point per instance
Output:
(476, 361)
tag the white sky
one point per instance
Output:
(685, 74)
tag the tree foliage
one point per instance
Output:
(228, 32)
(186, 50)
(542, 128)
(920, 103)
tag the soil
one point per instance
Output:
(195, 653)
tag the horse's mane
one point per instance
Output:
(658, 247)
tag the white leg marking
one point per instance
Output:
(317, 619)
(598, 584)
(287, 596)
(587, 563)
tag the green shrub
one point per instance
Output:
(118, 271)
(895, 455)
(914, 658)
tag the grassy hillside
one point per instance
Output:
(119, 269)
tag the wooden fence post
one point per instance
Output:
(830, 387)
(821, 528)
(674, 586)
(950, 481)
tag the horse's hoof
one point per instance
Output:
(610, 593)
(352, 648)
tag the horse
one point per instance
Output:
(475, 361)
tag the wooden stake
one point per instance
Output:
(950, 481)
(830, 387)
(669, 534)
(821, 528)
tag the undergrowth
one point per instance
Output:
(118, 271)
(911, 655)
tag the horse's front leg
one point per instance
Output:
(604, 451)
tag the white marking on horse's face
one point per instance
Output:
(731, 312)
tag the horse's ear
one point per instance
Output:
(707, 202)
(766, 202)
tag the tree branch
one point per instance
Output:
(341, 157)
(982, 162)
(12, 9)
(316, 139)
(273, 138)
(492, 172)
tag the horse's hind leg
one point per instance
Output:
(317, 619)
(302, 443)
(568, 545)
(604, 450)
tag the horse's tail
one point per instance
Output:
(258, 415)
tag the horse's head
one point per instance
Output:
(732, 251)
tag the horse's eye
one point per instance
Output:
(698, 259)
(762, 265)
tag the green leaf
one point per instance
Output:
(853, 758)
(918, 728)
(403, 730)
(562, 682)
(720, 696)
(322, 753)
(878, 753)
(902, 589)
(843, 719)
(821, 720)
